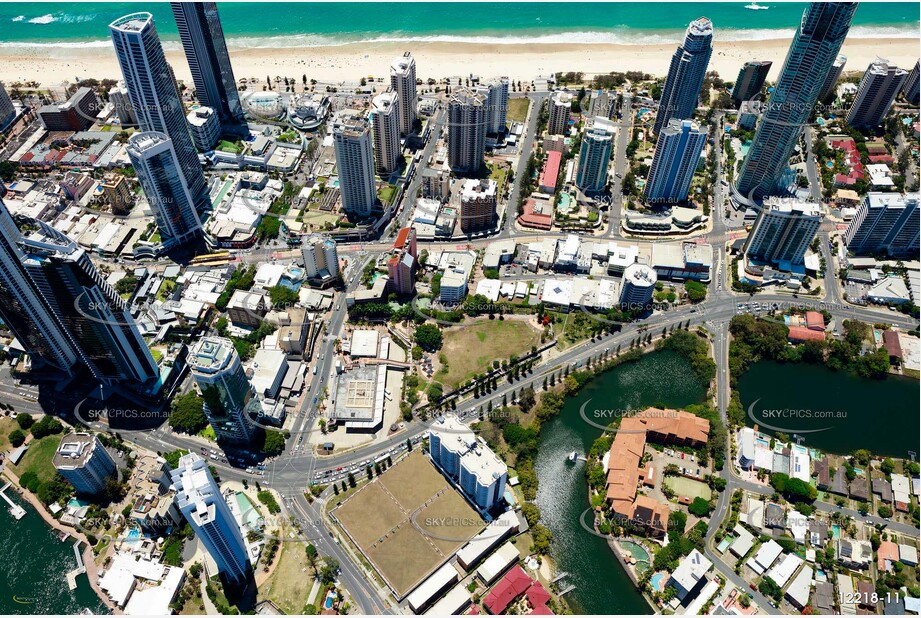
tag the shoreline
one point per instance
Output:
(89, 558)
(53, 66)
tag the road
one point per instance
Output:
(527, 147)
(624, 135)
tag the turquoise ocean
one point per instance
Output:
(274, 25)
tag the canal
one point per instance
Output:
(601, 585)
(835, 411)
(33, 565)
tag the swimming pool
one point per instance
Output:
(330, 599)
(724, 544)
(656, 581)
(836, 532)
(639, 554)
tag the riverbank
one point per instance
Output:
(51, 66)
(89, 558)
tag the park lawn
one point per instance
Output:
(291, 581)
(7, 425)
(228, 146)
(472, 348)
(38, 458)
(386, 193)
(518, 109)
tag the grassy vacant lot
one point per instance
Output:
(7, 424)
(472, 348)
(688, 487)
(518, 109)
(384, 518)
(290, 583)
(38, 458)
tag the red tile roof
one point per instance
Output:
(801, 333)
(815, 320)
(509, 588)
(530, 218)
(551, 169)
(401, 238)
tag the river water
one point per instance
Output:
(33, 565)
(834, 411)
(602, 586)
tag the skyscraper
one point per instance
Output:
(154, 97)
(832, 77)
(468, 117)
(885, 222)
(355, 164)
(496, 91)
(229, 397)
(464, 457)
(84, 462)
(686, 74)
(875, 94)
(815, 47)
(909, 87)
(159, 171)
(321, 259)
(199, 499)
(205, 49)
(7, 110)
(385, 122)
(595, 155)
(674, 162)
(782, 232)
(403, 81)
(558, 117)
(638, 285)
(64, 312)
(750, 80)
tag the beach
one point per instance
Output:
(52, 66)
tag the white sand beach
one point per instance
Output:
(52, 66)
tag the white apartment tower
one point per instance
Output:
(403, 82)
(321, 260)
(355, 163)
(385, 124)
(463, 457)
(199, 499)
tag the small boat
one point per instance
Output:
(573, 456)
(754, 6)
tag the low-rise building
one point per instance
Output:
(688, 578)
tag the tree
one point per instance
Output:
(329, 570)
(46, 427)
(24, 420)
(282, 295)
(696, 291)
(699, 507)
(274, 442)
(428, 336)
(17, 437)
(188, 413)
(409, 445)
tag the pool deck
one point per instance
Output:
(614, 544)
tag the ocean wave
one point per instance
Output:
(19, 18)
(617, 36)
(44, 19)
(623, 36)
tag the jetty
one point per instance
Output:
(15, 510)
(81, 568)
